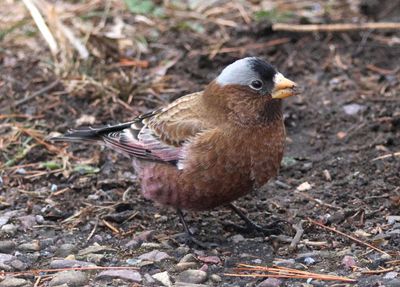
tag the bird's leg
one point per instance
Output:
(189, 234)
(251, 226)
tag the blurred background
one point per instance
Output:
(72, 63)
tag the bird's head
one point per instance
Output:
(256, 77)
(250, 88)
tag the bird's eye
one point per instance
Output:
(256, 85)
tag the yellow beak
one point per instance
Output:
(283, 87)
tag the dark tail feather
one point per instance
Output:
(90, 134)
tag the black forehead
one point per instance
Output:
(262, 68)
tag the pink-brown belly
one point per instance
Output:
(166, 185)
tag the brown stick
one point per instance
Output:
(348, 236)
(252, 46)
(82, 268)
(342, 27)
(379, 271)
(299, 233)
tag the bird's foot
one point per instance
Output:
(253, 228)
(191, 240)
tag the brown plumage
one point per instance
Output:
(207, 148)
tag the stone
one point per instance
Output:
(163, 278)
(181, 266)
(27, 221)
(9, 229)
(348, 262)
(95, 248)
(30, 246)
(14, 282)
(154, 255)
(215, 278)
(352, 109)
(71, 278)
(5, 260)
(188, 258)
(237, 238)
(18, 265)
(270, 282)
(124, 274)
(391, 275)
(192, 276)
(4, 220)
(7, 246)
(147, 277)
(209, 259)
(184, 284)
(66, 249)
(69, 263)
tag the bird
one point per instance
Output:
(208, 148)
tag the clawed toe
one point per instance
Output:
(271, 229)
(192, 240)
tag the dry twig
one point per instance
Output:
(299, 232)
(256, 46)
(342, 27)
(82, 268)
(284, 272)
(348, 236)
(386, 156)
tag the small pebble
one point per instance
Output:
(68, 263)
(27, 221)
(309, 260)
(39, 219)
(4, 220)
(14, 282)
(215, 278)
(53, 187)
(30, 246)
(7, 246)
(352, 109)
(155, 256)
(237, 238)
(181, 266)
(163, 278)
(286, 263)
(188, 258)
(66, 249)
(95, 248)
(147, 277)
(21, 171)
(71, 278)
(270, 282)
(192, 276)
(391, 275)
(348, 262)
(18, 265)
(9, 229)
(209, 259)
(124, 274)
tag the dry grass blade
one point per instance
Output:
(386, 156)
(284, 272)
(41, 24)
(20, 116)
(348, 236)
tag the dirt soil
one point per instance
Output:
(341, 165)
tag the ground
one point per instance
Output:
(341, 166)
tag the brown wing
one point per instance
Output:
(178, 121)
(156, 136)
